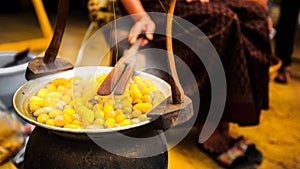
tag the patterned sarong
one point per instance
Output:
(238, 31)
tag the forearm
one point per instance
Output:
(262, 3)
(143, 22)
(134, 7)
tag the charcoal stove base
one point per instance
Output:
(46, 150)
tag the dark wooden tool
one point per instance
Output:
(121, 86)
(49, 64)
(118, 78)
(177, 91)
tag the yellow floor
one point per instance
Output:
(277, 136)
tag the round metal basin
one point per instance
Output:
(21, 97)
(11, 78)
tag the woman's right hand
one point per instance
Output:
(143, 25)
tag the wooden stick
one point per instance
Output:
(62, 15)
(177, 91)
(111, 80)
(114, 77)
(128, 72)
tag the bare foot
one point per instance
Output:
(227, 136)
(284, 75)
(220, 140)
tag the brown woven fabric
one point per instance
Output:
(238, 31)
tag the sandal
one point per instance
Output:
(283, 76)
(242, 154)
(252, 154)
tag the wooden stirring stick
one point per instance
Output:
(121, 86)
(177, 91)
(111, 80)
(121, 73)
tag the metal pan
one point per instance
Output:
(22, 95)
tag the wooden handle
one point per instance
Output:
(121, 72)
(111, 80)
(124, 79)
(61, 19)
(177, 91)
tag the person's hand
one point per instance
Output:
(202, 1)
(143, 25)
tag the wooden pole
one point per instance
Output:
(177, 91)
